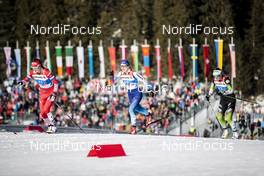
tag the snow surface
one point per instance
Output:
(65, 154)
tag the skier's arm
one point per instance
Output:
(211, 89)
(116, 78)
(229, 86)
(54, 81)
(28, 77)
(25, 80)
(141, 79)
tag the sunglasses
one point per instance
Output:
(35, 68)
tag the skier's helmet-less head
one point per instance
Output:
(36, 65)
(217, 73)
(124, 65)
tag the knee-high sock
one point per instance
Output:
(132, 112)
(221, 120)
(230, 121)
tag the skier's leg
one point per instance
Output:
(131, 111)
(134, 98)
(229, 118)
(141, 110)
(220, 118)
(144, 111)
(43, 114)
(51, 121)
(222, 122)
(229, 112)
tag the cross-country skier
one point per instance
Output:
(222, 86)
(48, 87)
(131, 80)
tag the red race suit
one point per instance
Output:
(48, 86)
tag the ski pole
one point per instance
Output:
(241, 99)
(70, 118)
(215, 114)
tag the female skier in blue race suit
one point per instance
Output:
(131, 80)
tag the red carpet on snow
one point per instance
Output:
(34, 128)
(108, 150)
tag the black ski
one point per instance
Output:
(152, 122)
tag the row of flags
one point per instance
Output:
(112, 51)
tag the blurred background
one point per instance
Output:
(142, 19)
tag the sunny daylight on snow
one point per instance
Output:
(131, 87)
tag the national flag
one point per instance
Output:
(134, 53)
(233, 60)
(58, 52)
(146, 59)
(181, 60)
(90, 58)
(170, 67)
(28, 57)
(112, 57)
(48, 57)
(158, 57)
(123, 48)
(37, 51)
(102, 61)
(206, 60)
(18, 61)
(219, 53)
(194, 57)
(7, 51)
(69, 60)
(80, 57)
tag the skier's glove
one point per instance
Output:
(111, 74)
(110, 81)
(52, 97)
(151, 94)
(219, 92)
(20, 83)
(207, 97)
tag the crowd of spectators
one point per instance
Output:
(90, 105)
(249, 119)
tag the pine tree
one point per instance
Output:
(169, 13)
(216, 14)
(251, 70)
(7, 28)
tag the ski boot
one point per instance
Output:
(51, 124)
(133, 130)
(235, 135)
(225, 134)
(51, 129)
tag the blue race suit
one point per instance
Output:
(131, 80)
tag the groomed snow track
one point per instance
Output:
(23, 153)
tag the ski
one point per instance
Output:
(150, 123)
